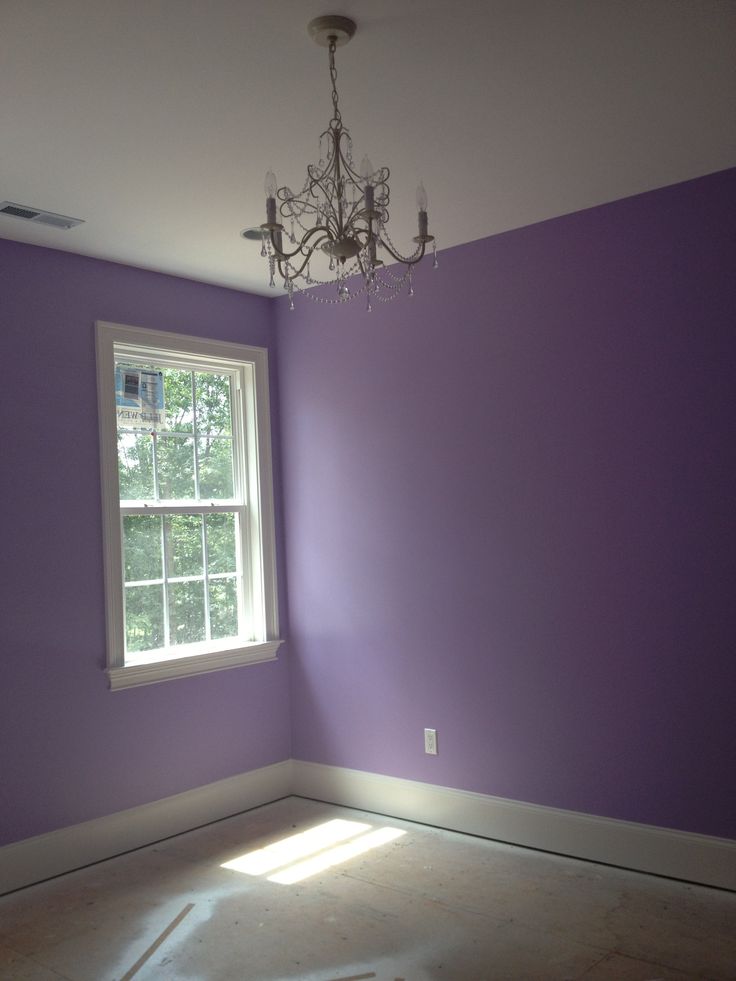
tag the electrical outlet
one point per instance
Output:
(430, 741)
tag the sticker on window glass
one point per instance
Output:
(139, 398)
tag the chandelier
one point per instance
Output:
(337, 221)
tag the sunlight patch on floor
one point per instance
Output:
(305, 854)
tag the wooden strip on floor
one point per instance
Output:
(157, 943)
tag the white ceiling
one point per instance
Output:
(155, 120)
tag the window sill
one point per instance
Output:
(132, 675)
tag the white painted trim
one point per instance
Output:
(133, 675)
(251, 428)
(645, 848)
(112, 547)
(33, 859)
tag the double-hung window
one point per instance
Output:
(188, 504)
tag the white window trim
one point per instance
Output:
(262, 559)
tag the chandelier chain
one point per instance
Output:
(333, 77)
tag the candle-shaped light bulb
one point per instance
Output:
(366, 169)
(270, 184)
(422, 217)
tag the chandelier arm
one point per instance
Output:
(290, 277)
(355, 215)
(321, 231)
(407, 260)
(363, 236)
(278, 251)
(286, 256)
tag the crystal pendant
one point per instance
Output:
(271, 269)
(434, 255)
(263, 245)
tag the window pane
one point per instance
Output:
(135, 466)
(178, 400)
(215, 468)
(186, 612)
(175, 467)
(142, 547)
(221, 553)
(144, 618)
(184, 545)
(213, 404)
(223, 608)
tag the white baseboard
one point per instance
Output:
(677, 854)
(34, 859)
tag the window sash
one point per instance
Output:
(167, 580)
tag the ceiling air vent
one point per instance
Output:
(37, 216)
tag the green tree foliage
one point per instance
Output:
(193, 453)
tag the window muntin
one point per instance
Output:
(190, 564)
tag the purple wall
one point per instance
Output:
(70, 749)
(509, 515)
(509, 512)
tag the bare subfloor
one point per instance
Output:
(399, 901)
